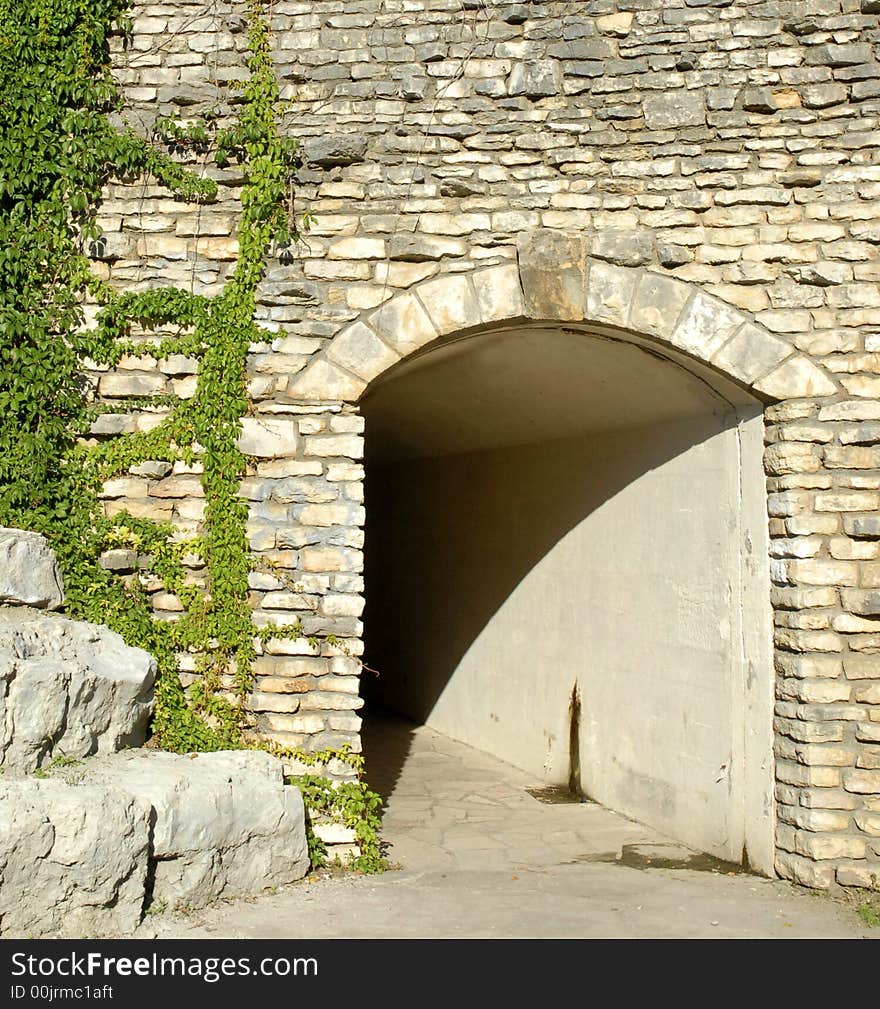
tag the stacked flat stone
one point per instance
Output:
(726, 152)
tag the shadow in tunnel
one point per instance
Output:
(449, 539)
(387, 739)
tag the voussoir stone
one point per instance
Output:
(610, 292)
(499, 293)
(29, 571)
(657, 305)
(450, 303)
(325, 381)
(796, 378)
(73, 859)
(360, 351)
(223, 824)
(68, 687)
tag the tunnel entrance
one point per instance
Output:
(566, 568)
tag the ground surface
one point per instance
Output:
(481, 857)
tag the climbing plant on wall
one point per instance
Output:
(58, 149)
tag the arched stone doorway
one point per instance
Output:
(673, 519)
(561, 570)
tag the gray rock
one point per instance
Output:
(535, 79)
(839, 55)
(674, 109)
(224, 824)
(516, 14)
(759, 100)
(29, 572)
(671, 256)
(183, 94)
(73, 859)
(422, 248)
(821, 96)
(621, 246)
(335, 149)
(862, 527)
(68, 687)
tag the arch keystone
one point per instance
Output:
(552, 268)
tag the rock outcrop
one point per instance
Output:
(68, 687)
(224, 824)
(29, 571)
(73, 859)
(85, 852)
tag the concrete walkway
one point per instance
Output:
(482, 857)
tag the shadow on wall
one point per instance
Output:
(450, 539)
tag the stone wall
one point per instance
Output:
(718, 164)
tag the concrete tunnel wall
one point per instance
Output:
(609, 564)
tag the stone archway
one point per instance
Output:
(554, 279)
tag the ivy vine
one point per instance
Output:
(58, 149)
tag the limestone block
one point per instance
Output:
(324, 381)
(863, 782)
(610, 292)
(804, 870)
(862, 526)
(224, 824)
(29, 571)
(865, 875)
(335, 149)
(705, 326)
(403, 324)
(454, 224)
(674, 109)
(359, 350)
(267, 438)
(552, 266)
(751, 353)
(797, 378)
(357, 248)
(499, 294)
(657, 305)
(535, 79)
(617, 25)
(350, 446)
(123, 385)
(621, 246)
(450, 303)
(73, 859)
(68, 687)
(423, 248)
(866, 601)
